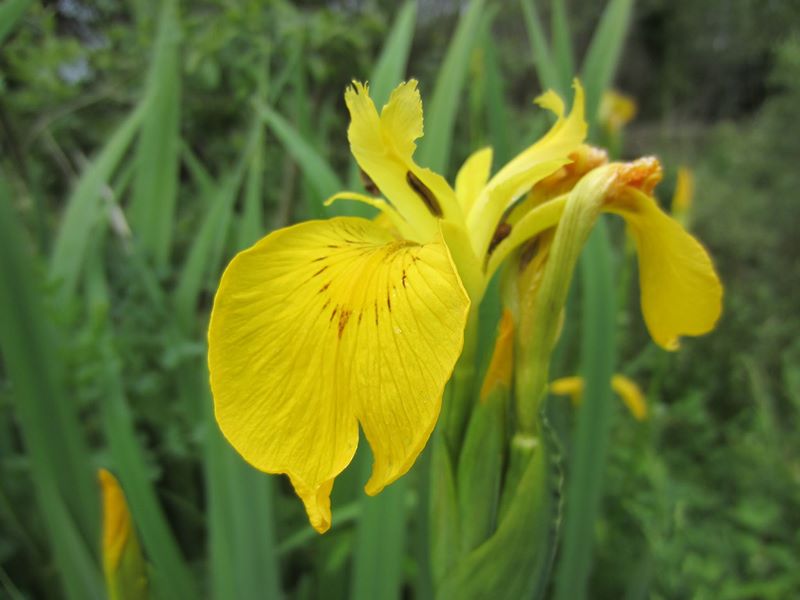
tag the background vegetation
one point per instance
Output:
(142, 143)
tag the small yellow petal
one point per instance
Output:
(568, 386)
(616, 110)
(680, 291)
(124, 566)
(684, 194)
(540, 160)
(384, 146)
(324, 326)
(631, 395)
(472, 177)
(116, 520)
(552, 102)
(501, 366)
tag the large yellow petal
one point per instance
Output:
(680, 291)
(384, 146)
(535, 163)
(324, 325)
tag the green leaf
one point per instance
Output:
(11, 12)
(85, 208)
(602, 57)
(251, 227)
(542, 60)
(514, 562)
(589, 447)
(497, 113)
(480, 468)
(207, 249)
(391, 65)
(562, 46)
(321, 175)
(441, 111)
(60, 466)
(171, 577)
(380, 542)
(444, 521)
(155, 185)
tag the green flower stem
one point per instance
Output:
(580, 214)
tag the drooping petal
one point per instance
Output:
(472, 177)
(324, 325)
(680, 291)
(631, 396)
(384, 146)
(535, 163)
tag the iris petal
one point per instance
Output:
(325, 325)
(384, 146)
(680, 291)
(533, 164)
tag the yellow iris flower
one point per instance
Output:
(329, 325)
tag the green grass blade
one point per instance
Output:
(380, 543)
(391, 66)
(542, 60)
(320, 174)
(171, 575)
(562, 45)
(251, 227)
(244, 558)
(11, 12)
(587, 460)
(440, 114)
(496, 107)
(199, 174)
(85, 208)
(60, 467)
(205, 254)
(155, 186)
(604, 53)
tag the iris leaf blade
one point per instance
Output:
(440, 115)
(155, 185)
(542, 58)
(605, 50)
(587, 460)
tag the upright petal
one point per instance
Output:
(680, 291)
(384, 146)
(472, 176)
(535, 163)
(324, 325)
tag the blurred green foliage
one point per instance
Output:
(701, 501)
